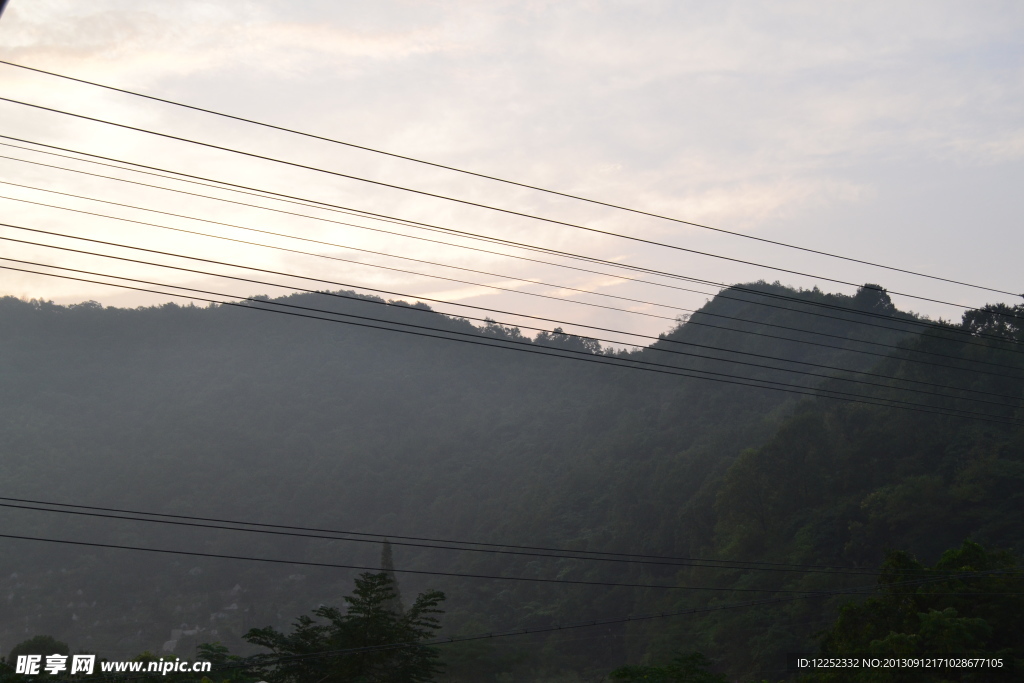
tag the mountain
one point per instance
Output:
(225, 412)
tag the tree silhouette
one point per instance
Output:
(368, 643)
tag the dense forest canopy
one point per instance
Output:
(230, 413)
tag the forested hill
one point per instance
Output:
(840, 484)
(226, 412)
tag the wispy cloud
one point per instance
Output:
(838, 125)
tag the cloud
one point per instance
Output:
(786, 119)
(145, 41)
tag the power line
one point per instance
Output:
(559, 352)
(691, 321)
(334, 258)
(473, 236)
(424, 572)
(599, 339)
(345, 246)
(502, 180)
(316, 204)
(415, 542)
(625, 360)
(569, 255)
(336, 535)
(300, 532)
(613, 360)
(498, 343)
(377, 217)
(484, 546)
(342, 246)
(379, 183)
(688, 310)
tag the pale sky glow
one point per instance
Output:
(891, 132)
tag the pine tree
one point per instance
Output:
(383, 647)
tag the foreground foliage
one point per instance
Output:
(969, 604)
(370, 642)
(684, 668)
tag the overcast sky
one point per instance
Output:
(891, 132)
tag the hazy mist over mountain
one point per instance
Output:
(559, 342)
(221, 412)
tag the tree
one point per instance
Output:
(39, 645)
(873, 298)
(968, 604)
(382, 646)
(995, 319)
(684, 668)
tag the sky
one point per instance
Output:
(886, 132)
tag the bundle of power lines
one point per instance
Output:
(902, 392)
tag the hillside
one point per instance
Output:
(223, 412)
